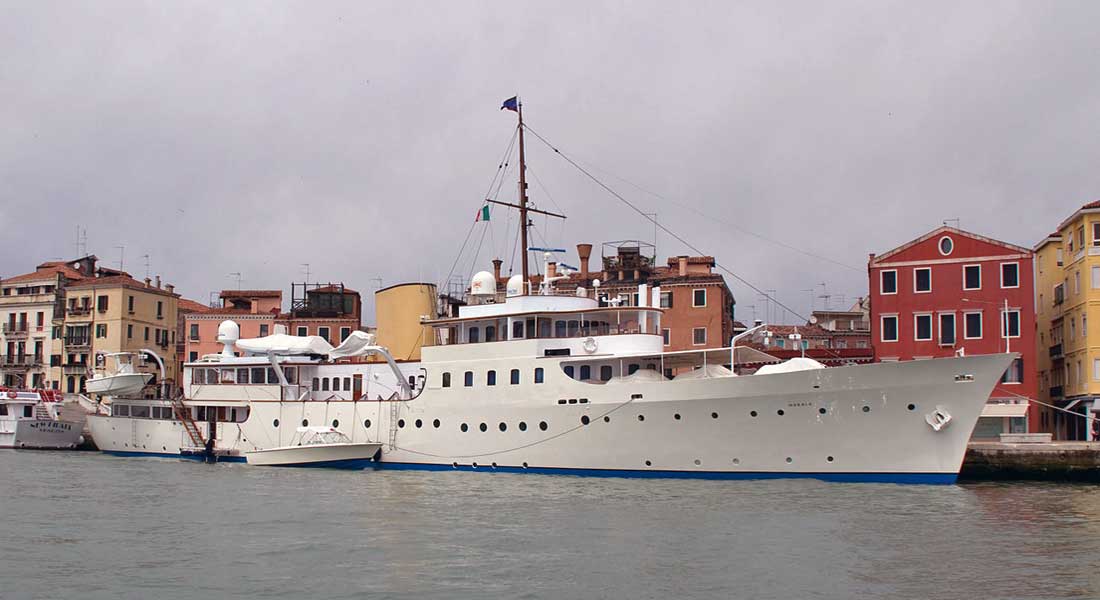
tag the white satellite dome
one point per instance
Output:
(228, 334)
(515, 285)
(483, 284)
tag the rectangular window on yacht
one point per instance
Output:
(699, 336)
(121, 410)
(889, 328)
(316, 384)
(303, 331)
(257, 374)
(514, 377)
(586, 373)
(242, 376)
(490, 378)
(559, 329)
(569, 371)
(667, 335)
(323, 332)
(139, 411)
(538, 375)
(490, 333)
(517, 330)
(473, 335)
(324, 384)
(469, 378)
(605, 373)
(446, 380)
(699, 298)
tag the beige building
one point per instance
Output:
(113, 312)
(399, 310)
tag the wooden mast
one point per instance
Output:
(522, 199)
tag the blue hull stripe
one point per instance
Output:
(905, 478)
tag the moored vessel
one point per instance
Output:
(38, 419)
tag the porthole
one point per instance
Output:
(698, 462)
(401, 423)
(752, 414)
(822, 411)
(275, 423)
(522, 426)
(737, 461)
(641, 417)
(455, 465)
(607, 419)
(474, 465)
(305, 422)
(494, 465)
(648, 463)
(503, 426)
(584, 419)
(543, 425)
(524, 465)
(464, 428)
(483, 427)
(676, 416)
(366, 423)
(790, 460)
(912, 407)
(780, 412)
(435, 423)
(829, 458)
(419, 423)
(714, 415)
(866, 409)
(335, 423)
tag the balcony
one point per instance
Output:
(1055, 392)
(14, 330)
(78, 365)
(1056, 351)
(79, 311)
(78, 342)
(20, 361)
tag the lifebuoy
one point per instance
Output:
(12, 394)
(590, 345)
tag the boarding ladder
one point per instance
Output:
(183, 413)
(42, 413)
(395, 405)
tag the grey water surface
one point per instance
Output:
(86, 525)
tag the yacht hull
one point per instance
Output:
(40, 434)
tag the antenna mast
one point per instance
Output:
(523, 223)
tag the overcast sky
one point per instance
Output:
(361, 137)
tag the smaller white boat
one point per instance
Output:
(38, 419)
(122, 381)
(317, 447)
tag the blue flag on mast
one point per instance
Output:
(511, 104)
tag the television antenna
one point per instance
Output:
(237, 276)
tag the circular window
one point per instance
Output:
(676, 416)
(401, 422)
(648, 463)
(714, 415)
(483, 427)
(779, 412)
(305, 422)
(275, 423)
(366, 423)
(525, 465)
(503, 427)
(752, 413)
(946, 245)
(912, 407)
(435, 423)
(641, 417)
(335, 423)
(866, 409)
(464, 428)
(829, 458)
(822, 410)
(584, 420)
(543, 425)
(419, 423)
(607, 419)
(522, 426)
(789, 459)
(737, 461)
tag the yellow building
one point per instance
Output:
(116, 313)
(398, 310)
(1067, 301)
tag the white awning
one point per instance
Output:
(1004, 410)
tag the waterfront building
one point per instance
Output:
(330, 311)
(847, 329)
(255, 311)
(113, 312)
(954, 292)
(400, 311)
(31, 316)
(1068, 300)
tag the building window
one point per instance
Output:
(698, 298)
(1077, 282)
(469, 379)
(1010, 275)
(946, 245)
(1010, 326)
(323, 332)
(129, 332)
(666, 299)
(101, 330)
(192, 357)
(160, 309)
(538, 375)
(194, 332)
(1096, 369)
(345, 332)
(973, 324)
(972, 277)
(147, 334)
(1095, 278)
(446, 380)
(263, 329)
(130, 304)
(1014, 373)
(922, 328)
(947, 329)
(667, 335)
(513, 376)
(888, 282)
(303, 331)
(889, 329)
(922, 280)
(101, 303)
(699, 336)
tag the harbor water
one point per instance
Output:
(87, 525)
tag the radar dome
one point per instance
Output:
(483, 284)
(515, 285)
(228, 334)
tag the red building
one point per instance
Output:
(946, 292)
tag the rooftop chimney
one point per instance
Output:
(496, 269)
(171, 288)
(584, 252)
(158, 282)
(683, 260)
(148, 282)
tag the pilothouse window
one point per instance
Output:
(474, 335)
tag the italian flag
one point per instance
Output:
(483, 214)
